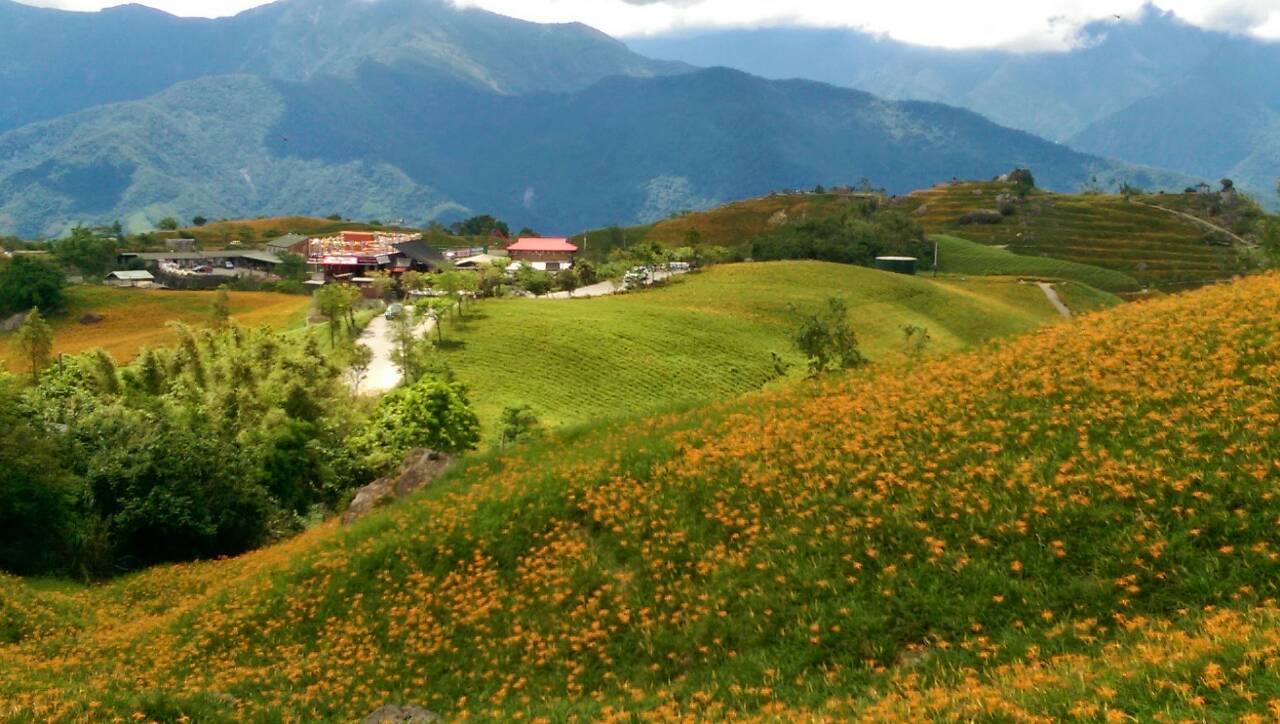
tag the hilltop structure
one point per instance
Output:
(543, 254)
(354, 254)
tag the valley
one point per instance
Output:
(393, 361)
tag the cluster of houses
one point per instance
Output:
(348, 256)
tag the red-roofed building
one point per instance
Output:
(545, 254)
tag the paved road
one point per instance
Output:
(604, 289)
(384, 375)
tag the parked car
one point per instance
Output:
(206, 269)
(393, 311)
(229, 264)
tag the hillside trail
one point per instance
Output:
(1055, 299)
(1197, 220)
(383, 374)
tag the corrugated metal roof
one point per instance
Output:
(132, 276)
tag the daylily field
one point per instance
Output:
(1078, 523)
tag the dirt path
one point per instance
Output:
(1055, 299)
(1197, 220)
(384, 375)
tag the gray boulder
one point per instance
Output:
(420, 468)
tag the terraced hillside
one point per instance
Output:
(708, 336)
(1154, 246)
(1076, 524)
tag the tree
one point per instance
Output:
(39, 499)
(1023, 181)
(518, 425)
(827, 339)
(292, 267)
(358, 366)
(199, 221)
(382, 284)
(533, 281)
(92, 254)
(220, 311)
(334, 302)
(565, 280)
(34, 340)
(483, 225)
(27, 282)
(404, 337)
(436, 309)
(429, 414)
(168, 223)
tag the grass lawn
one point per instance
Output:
(137, 318)
(710, 335)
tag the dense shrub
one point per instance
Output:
(849, 240)
(27, 282)
(212, 447)
(39, 499)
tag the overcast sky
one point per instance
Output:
(948, 23)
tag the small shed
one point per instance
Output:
(898, 264)
(140, 279)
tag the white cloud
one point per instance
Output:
(946, 23)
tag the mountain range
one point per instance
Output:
(1153, 90)
(420, 110)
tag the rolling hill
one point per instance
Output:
(1099, 240)
(708, 336)
(1076, 523)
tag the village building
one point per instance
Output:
(236, 262)
(289, 243)
(480, 261)
(350, 255)
(543, 254)
(138, 279)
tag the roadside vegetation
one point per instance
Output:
(1078, 522)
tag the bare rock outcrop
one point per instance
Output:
(419, 469)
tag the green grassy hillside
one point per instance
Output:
(1079, 523)
(708, 336)
(1151, 245)
(961, 256)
